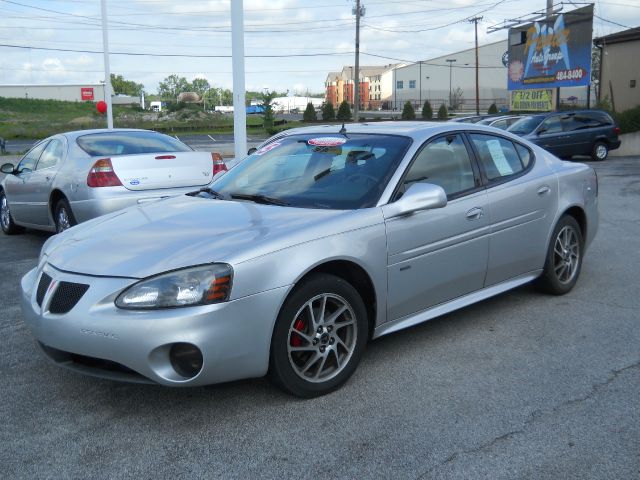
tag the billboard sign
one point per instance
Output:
(554, 53)
(538, 100)
(86, 93)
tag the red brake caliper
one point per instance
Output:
(296, 340)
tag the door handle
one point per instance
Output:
(474, 213)
(544, 189)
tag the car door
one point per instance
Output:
(523, 197)
(552, 137)
(41, 179)
(18, 187)
(440, 254)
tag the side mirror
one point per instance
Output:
(7, 168)
(252, 150)
(541, 130)
(419, 196)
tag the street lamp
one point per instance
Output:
(450, 60)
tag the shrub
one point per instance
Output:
(309, 114)
(344, 111)
(442, 112)
(493, 109)
(427, 111)
(408, 113)
(328, 112)
(629, 120)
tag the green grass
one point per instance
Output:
(32, 119)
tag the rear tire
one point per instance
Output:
(319, 337)
(63, 216)
(6, 220)
(600, 151)
(564, 258)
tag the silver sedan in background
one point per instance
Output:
(314, 244)
(75, 176)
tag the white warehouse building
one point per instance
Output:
(83, 92)
(434, 79)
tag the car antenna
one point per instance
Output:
(343, 130)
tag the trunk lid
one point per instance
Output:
(163, 170)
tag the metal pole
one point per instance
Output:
(107, 71)
(420, 94)
(237, 53)
(549, 13)
(450, 60)
(356, 106)
(475, 20)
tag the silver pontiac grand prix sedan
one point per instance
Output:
(319, 241)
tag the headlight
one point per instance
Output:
(201, 285)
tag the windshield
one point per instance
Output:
(129, 143)
(525, 125)
(329, 171)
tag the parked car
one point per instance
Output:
(502, 122)
(565, 134)
(318, 241)
(75, 176)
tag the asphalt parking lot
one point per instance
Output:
(519, 386)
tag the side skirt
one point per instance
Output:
(455, 304)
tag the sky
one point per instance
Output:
(289, 44)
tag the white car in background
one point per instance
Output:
(75, 176)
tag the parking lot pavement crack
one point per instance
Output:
(533, 416)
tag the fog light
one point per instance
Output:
(186, 359)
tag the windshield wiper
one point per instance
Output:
(209, 191)
(258, 198)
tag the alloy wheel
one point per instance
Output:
(63, 220)
(322, 338)
(601, 151)
(5, 214)
(566, 253)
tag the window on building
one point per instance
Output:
(632, 84)
(399, 84)
(412, 84)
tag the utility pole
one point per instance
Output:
(549, 14)
(358, 11)
(107, 70)
(450, 60)
(475, 21)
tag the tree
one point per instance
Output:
(172, 86)
(408, 113)
(344, 111)
(457, 97)
(427, 111)
(200, 86)
(125, 87)
(493, 109)
(328, 112)
(309, 114)
(268, 117)
(442, 112)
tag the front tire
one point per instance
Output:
(600, 151)
(6, 220)
(63, 216)
(319, 337)
(564, 258)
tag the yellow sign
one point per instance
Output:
(537, 100)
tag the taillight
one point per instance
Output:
(617, 130)
(218, 163)
(102, 174)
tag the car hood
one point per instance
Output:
(183, 231)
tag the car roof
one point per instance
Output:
(79, 133)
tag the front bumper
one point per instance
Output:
(234, 337)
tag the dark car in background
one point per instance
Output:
(565, 134)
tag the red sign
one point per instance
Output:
(86, 93)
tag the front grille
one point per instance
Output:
(66, 296)
(45, 281)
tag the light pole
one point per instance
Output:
(450, 60)
(420, 94)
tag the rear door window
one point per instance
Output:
(51, 155)
(498, 156)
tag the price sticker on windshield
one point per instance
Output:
(327, 141)
(267, 148)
